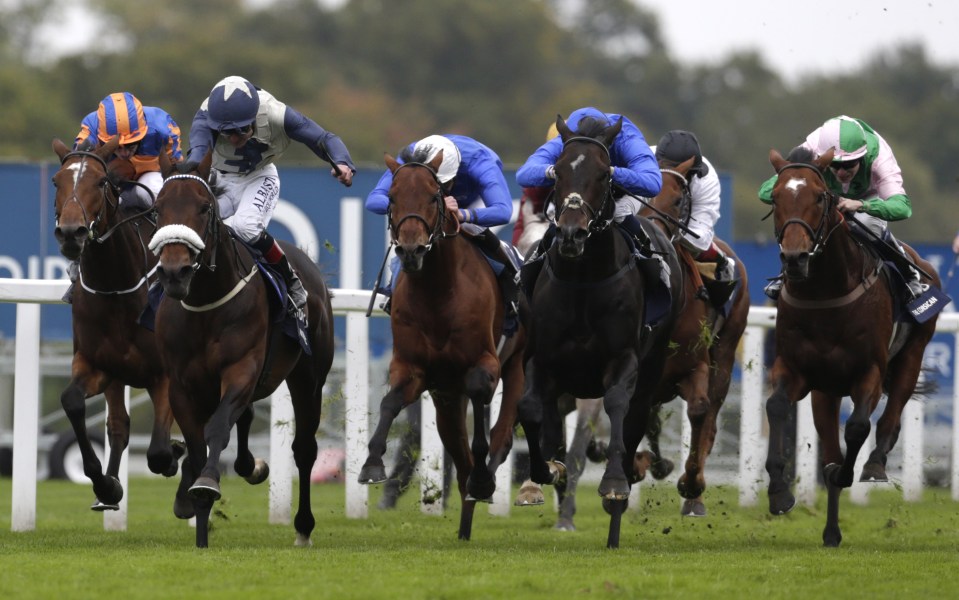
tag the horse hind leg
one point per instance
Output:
(659, 466)
(702, 419)
(253, 470)
(586, 419)
(163, 455)
(480, 386)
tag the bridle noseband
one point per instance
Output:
(438, 228)
(167, 235)
(820, 235)
(595, 222)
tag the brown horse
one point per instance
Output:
(588, 331)
(222, 348)
(447, 317)
(835, 335)
(110, 348)
(704, 341)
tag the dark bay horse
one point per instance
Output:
(704, 340)
(110, 348)
(221, 346)
(588, 330)
(836, 336)
(447, 319)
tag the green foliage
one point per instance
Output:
(381, 74)
(890, 548)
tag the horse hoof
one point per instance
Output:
(831, 539)
(183, 508)
(98, 506)
(261, 470)
(205, 488)
(830, 474)
(370, 474)
(781, 503)
(661, 468)
(109, 491)
(596, 451)
(614, 488)
(486, 500)
(873, 473)
(641, 463)
(565, 525)
(480, 490)
(530, 494)
(693, 508)
(610, 508)
(558, 472)
(302, 541)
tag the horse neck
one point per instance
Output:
(119, 261)
(600, 259)
(840, 267)
(230, 265)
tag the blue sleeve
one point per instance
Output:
(172, 133)
(201, 137)
(533, 172)
(320, 141)
(636, 166)
(486, 170)
(88, 130)
(379, 199)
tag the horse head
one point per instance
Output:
(187, 218)
(85, 190)
(804, 209)
(583, 196)
(417, 212)
(673, 202)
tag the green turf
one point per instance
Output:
(891, 549)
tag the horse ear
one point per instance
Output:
(106, 150)
(823, 161)
(204, 167)
(686, 165)
(610, 133)
(60, 148)
(436, 162)
(777, 160)
(562, 128)
(167, 166)
(391, 163)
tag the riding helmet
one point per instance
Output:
(232, 104)
(678, 146)
(121, 114)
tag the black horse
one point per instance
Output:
(592, 328)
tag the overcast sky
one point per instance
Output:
(801, 37)
(795, 37)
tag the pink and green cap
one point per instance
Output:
(846, 136)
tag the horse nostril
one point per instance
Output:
(400, 251)
(184, 272)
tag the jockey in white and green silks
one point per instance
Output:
(866, 177)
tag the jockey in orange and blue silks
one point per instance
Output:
(865, 175)
(144, 131)
(634, 165)
(248, 129)
(474, 186)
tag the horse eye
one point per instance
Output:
(205, 209)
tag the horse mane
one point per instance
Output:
(590, 127)
(417, 155)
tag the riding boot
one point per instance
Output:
(774, 286)
(529, 272)
(633, 227)
(725, 265)
(915, 285)
(73, 271)
(294, 287)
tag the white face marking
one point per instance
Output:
(75, 167)
(579, 160)
(794, 184)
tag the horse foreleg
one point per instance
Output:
(501, 433)
(586, 416)
(405, 388)
(779, 407)
(659, 466)
(531, 408)
(253, 470)
(480, 386)
(620, 381)
(451, 425)
(865, 398)
(163, 456)
(702, 419)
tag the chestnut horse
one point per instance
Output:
(221, 346)
(110, 348)
(704, 341)
(835, 335)
(447, 318)
(588, 330)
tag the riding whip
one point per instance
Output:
(672, 220)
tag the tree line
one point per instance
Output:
(382, 73)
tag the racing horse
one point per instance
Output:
(223, 347)
(595, 330)
(704, 340)
(110, 348)
(836, 335)
(447, 318)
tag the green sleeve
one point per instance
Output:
(893, 208)
(766, 190)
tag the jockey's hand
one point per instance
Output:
(955, 245)
(847, 205)
(344, 174)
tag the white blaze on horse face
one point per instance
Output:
(577, 161)
(794, 185)
(75, 169)
(573, 201)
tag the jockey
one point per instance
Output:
(676, 147)
(634, 169)
(866, 177)
(474, 188)
(145, 132)
(248, 129)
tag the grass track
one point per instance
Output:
(890, 549)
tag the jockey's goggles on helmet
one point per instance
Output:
(844, 165)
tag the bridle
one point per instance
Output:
(669, 222)
(821, 234)
(436, 229)
(595, 220)
(169, 234)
